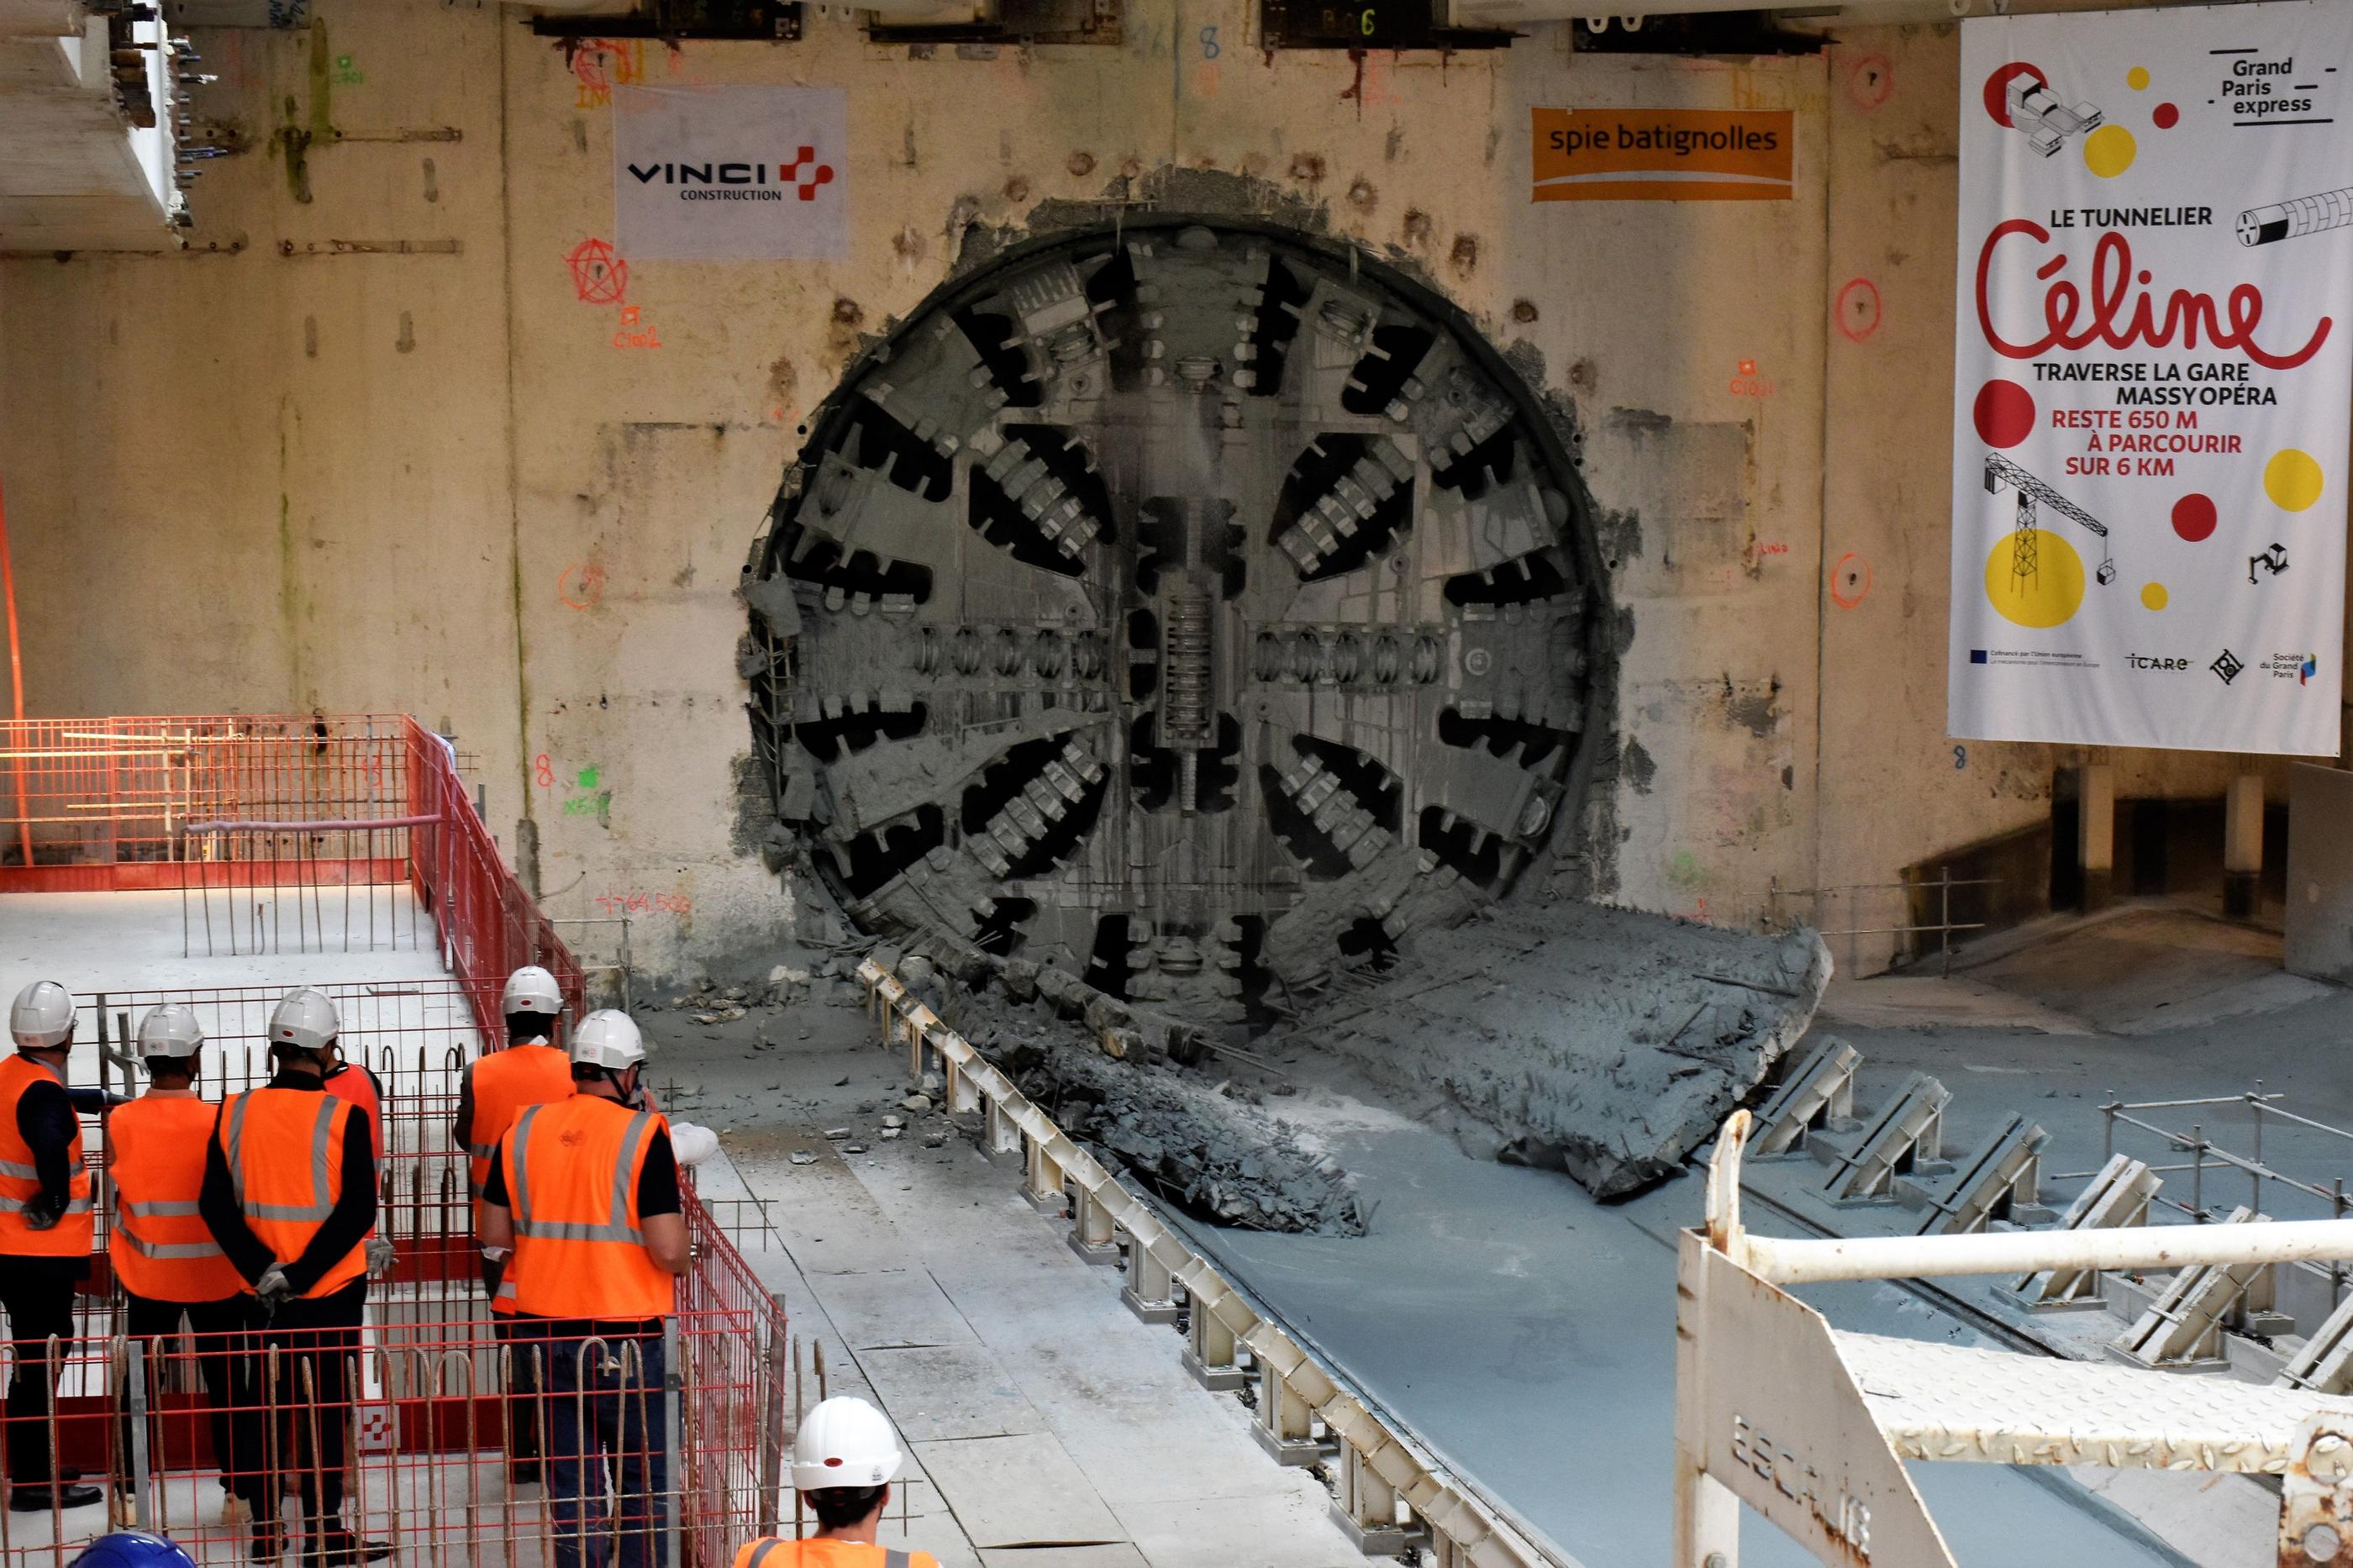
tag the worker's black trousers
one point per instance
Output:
(217, 1325)
(307, 1355)
(520, 1366)
(38, 1297)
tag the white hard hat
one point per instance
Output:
(304, 1019)
(531, 989)
(608, 1038)
(43, 1017)
(845, 1442)
(169, 1031)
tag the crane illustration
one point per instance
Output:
(2024, 551)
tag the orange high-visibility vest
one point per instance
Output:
(503, 1083)
(20, 1180)
(775, 1552)
(159, 1245)
(572, 1172)
(284, 1148)
(350, 1083)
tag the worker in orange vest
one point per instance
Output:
(47, 1232)
(844, 1460)
(289, 1194)
(167, 1263)
(582, 1207)
(530, 1070)
(357, 1083)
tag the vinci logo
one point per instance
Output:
(736, 182)
(1663, 154)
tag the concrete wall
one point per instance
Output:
(280, 471)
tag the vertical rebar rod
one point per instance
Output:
(673, 1374)
(136, 1374)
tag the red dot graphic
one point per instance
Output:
(2004, 413)
(2166, 116)
(1997, 90)
(2193, 517)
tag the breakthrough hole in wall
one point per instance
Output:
(830, 740)
(821, 563)
(1397, 352)
(1518, 582)
(991, 336)
(1465, 847)
(1276, 327)
(871, 859)
(1500, 737)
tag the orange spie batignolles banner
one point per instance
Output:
(1662, 155)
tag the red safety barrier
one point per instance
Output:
(422, 1427)
(287, 802)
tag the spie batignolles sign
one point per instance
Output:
(730, 173)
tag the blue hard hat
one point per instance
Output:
(133, 1548)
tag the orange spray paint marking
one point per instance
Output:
(581, 585)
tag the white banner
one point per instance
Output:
(2152, 377)
(730, 173)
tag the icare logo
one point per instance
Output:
(2310, 667)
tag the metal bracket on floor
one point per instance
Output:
(2116, 1197)
(1818, 1092)
(1093, 1235)
(1151, 1289)
(1285, 1418)
(2001, 1181)
(1906, 1135)
(2325, 1364)
(1396, 1493)
(2183, 1327)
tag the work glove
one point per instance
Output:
(273, 1288)
(42, 1212)
(380, 1257)
(691, 1144)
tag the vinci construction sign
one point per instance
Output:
(1663, 154)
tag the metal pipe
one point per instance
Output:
(1787, 1261)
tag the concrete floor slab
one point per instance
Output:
(880, 1312)
(1118, 1555)
(1020, 1490)
(1218, 1532)
(942, 1392)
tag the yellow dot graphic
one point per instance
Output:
(2152, 596)
(2108, 152)
(2047, 595)
(2136, 77)
(2292, 478)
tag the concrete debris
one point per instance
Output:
(935, 1139)
(837, 1133)
(853, 1148)
(891, 1133)
(1212, 1156)
(1605, 1042)
(803, 1157)
(918, 1103)
(894, 1121)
